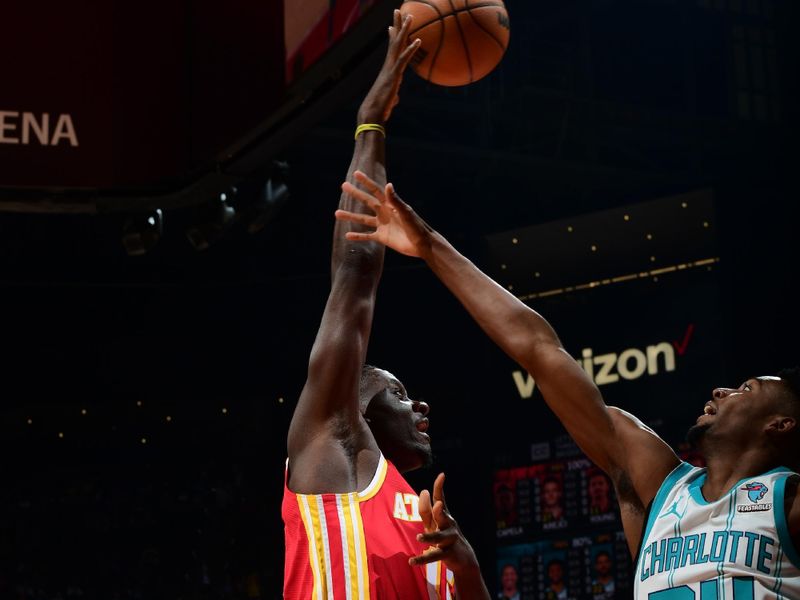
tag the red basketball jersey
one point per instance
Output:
(356, 546)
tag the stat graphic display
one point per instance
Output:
(590, 566)
(558, 532)
(551, 497)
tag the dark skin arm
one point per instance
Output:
(330, 447)
(634, 482)
(634, 457)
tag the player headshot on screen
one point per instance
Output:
(748, 435)
(509, 580)
(552, 496)
(354, 528)
(505, 505)
(599, 494)
(556, 589)
(603, 582)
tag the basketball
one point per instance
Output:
(462, 40)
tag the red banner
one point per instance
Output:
(313, 26)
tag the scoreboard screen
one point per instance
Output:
(589, 566)
(559, 533)
(552, 497)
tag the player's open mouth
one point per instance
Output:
(422, 425)
(709, 409)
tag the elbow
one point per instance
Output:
(532, 341)
(541, 355)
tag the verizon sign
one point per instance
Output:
(629, 364)
(27, 128)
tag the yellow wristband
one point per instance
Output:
(370, 127)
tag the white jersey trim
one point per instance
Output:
(781, 524)
(658, 502)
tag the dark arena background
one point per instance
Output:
(168, 176)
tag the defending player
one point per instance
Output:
(354, 528)
(728, 531)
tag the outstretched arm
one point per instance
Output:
(526, 337)
(327, 414)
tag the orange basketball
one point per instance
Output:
(462, 40)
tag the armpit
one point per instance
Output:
(626, 492)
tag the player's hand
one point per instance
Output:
(395, 223)
(383, 97)
(447, 543)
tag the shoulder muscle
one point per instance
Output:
(648, 458)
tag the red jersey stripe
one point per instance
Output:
(356, 546)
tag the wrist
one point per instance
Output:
(370, 127)
(432, 242)
(370, 115)
(469, 570)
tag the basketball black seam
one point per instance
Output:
(487, 31)
(441, 37)
(463, 41)
(441, 18)
(438, 50)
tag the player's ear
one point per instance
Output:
(781, 425)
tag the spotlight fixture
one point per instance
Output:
(269, 199)
(141, 233)
(213, 221)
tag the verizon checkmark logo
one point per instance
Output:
(680, 347)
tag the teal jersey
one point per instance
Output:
(735, 548)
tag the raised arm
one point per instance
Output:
(528, 339)
(327, 416)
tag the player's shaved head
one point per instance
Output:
(790, 379)
(373, 380)
(789, 401)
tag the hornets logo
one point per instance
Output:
(755, 491)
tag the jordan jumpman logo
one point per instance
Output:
(673, 510)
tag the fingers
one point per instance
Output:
(442, 517)
(408, 218)
(438, 490)
(392, 199)
(430, 555)
(440, 514)
(441, 530)
(405, 24)
(355, 236)
(402, 36)
(367, 199)
(395, 26)
(371, 186)
(360, 218)
(425, 510)
(398, 30)
(408, 53)
(442, 539)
